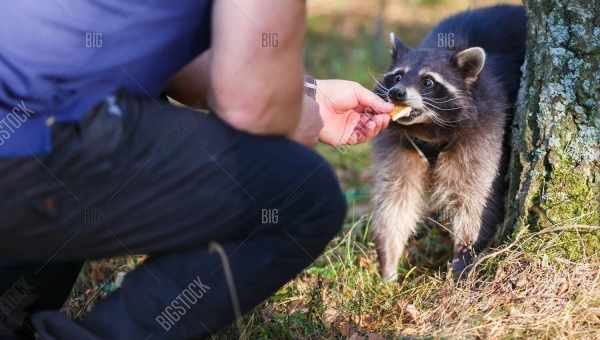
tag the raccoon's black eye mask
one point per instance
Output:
(390, 80)
(428, 83)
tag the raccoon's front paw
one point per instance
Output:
(461, 261)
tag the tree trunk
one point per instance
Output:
(555, 167)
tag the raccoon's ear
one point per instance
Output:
(470, 62)
(398, 48)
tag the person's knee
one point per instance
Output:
(329, 202)
(293, 188)
(315, 210)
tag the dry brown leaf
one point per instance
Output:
(344, 327)
(373, 336)
(364, 262)
(356, 336)
(413, 312)
(330, 315)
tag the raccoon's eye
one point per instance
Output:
(428, 83)
(392, 79)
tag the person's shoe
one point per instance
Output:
(23, 332)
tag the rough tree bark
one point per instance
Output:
(555, 166)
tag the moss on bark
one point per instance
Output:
(555, 165)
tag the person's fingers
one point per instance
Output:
(364, 118)
(353, 120)
(375, 126)
(369, 99)
(371, 125)
(362, 129)
(366, 128)
(386, 119)
(353, 139)
(382, 122)
(360, 137)
(376, 130)
(371, 129)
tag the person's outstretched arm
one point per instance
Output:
(254, 68)
(255, 85)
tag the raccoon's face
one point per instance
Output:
(434, 83)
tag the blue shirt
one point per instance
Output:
(60, 58)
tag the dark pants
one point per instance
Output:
(145, 177)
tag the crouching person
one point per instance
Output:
(228, 205)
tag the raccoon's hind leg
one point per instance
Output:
(464, 180)
(398, 205)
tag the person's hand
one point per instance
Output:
(344, 108)
(310, 125)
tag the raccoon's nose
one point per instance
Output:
(398, 93)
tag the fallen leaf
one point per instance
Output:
(330, 315)
(356, 336)
(373, 336)
(413, 312)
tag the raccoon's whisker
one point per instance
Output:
(430, 104)
(438, 101)
(382, 89)
(379, 86)
(377, 82)
(437, 119)
(457, 92)
(454, 121)
(457, 120)
(444, 123)
(456, 108)
(442, 101)
(444, 97)
(441, 121)
(447, 109)
(375, 74)
(381, 92)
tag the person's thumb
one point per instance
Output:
(369, 99)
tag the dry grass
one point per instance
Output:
(526, 298)
(512, 294)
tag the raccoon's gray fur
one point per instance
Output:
(447, 155)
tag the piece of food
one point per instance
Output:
(400, 111)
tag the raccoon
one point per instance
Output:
(448, 155)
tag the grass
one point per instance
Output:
(514, 294)
(525, 287)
